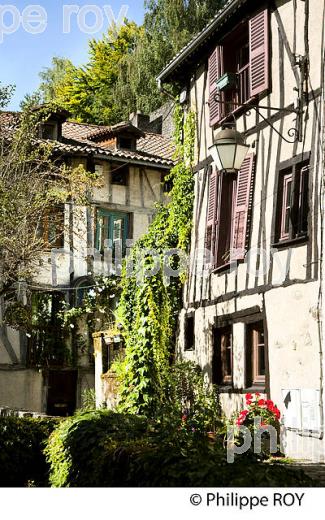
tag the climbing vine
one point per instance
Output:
(53, 321)
(149, 304)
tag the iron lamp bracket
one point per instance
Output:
(294, 133)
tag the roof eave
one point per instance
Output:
(193, 46)
(151, 164)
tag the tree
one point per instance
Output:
(32, 183)
(177, 21)
(31, 100)
(88, 92)
(120, 76)
(52, 77)
(6, 92)
(168, 26)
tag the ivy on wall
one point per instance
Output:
(59, 328)
(149, 306)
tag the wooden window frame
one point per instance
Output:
(111, 217)
(297, 175)
(120, 174)
(252, 78)
(252, 374)
(228, 215)
(232, 53)
(45, 227)
(220, 373)
(286, 205)
(53, 127)
(124, 139)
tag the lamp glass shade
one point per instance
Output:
(229, 150)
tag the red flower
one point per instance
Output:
(249, 398)
(261, 402)
(270, 405)
(242, 417)
(257, 394)
(277, 412)
(184, 418)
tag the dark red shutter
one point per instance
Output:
(211, 224)
(259, 53)
(241, 208)
(215, 71)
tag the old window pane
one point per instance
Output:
(222, 364)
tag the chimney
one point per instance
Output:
(140, 120)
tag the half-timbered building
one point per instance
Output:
(131, 159)
(252, 304)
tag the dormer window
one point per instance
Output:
(49, 131)
(239, 67)
(126, 143)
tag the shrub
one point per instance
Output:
(105, 449)
(79, 450)
(22, 461)
(190, 402)
(199, 463)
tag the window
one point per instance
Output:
(222, 363)
(255, 354)
(126, 143)
(51, 230)
(239, 67)
(120, 174)
(81, 291)
(293, 208)
(111, 227)
(49, 131)
(190, 333)
(229, 202)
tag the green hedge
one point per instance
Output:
(104, 449)
(80, 450)
(22, 461)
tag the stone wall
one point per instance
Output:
(11, 412)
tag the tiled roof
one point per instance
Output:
(153, 148)
(103, 131)
(77, 131)
(157, 144)
(69, 146)
(200, 37)
(9, 120)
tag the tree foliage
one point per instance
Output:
(120, 76)
(6, 92)
(87, 92)
(32, 180)
(52, 77)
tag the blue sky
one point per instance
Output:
(23, 55)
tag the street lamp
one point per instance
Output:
(229, 150)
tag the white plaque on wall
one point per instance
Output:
(310, 410)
